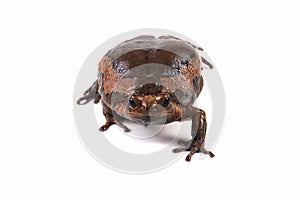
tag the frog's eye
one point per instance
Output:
(166, 102)
(132, 103)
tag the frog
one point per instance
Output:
(152, 80)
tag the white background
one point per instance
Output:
(255, 46)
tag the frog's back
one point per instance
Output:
(177, 54)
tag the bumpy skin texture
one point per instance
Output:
(172, 70)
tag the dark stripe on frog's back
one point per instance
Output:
(140, 57)
(171, 44)
(145, 49)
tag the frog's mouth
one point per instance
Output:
(161, 116)
(149, 119)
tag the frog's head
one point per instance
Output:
(153, 104)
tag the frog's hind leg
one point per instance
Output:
(90, 94)
(110, 120)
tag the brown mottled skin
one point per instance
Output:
(147, 79)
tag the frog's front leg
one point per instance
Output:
(90, 94)
(199, 126)
(110, 120)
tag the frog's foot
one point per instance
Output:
(109, 123)
(110, 119)
(90, 94)
(192, 147)
(192, 152)
(106, 126)
(196, 148)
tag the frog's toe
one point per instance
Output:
(106, 126)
